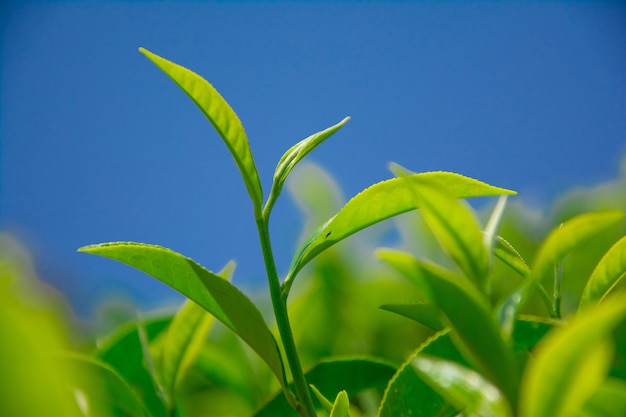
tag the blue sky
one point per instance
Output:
(98, 145)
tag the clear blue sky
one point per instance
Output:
(98, 145)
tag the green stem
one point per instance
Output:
(558, 276)
(305, 408)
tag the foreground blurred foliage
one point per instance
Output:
(185, 364)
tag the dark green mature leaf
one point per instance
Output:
(407, 395)
(213, 293)
(122, 350)
(476, 332)
(341, 407)
(221, 116)
(379, 202)
(456, 227)
(607, 274)
(464, 388)
(334, 375)
(104, 388)
(571, 362)
(295, 155)
(529, 330)
(423, 313)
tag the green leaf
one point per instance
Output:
(571, 362)
(510, 256)
(465, 389)
(184, 339)
(341, 407)
(567, 237)
(103, 387)
(216, 295)
(221, 116)
(379, 202)
(457, 229)
(609, 400)
(529, 330)
(407, 395)
(476, 332)
(123, 351)
(607, 274)
(324, 402)
(333, 375)
(490, 236)
(295, 155)
(423, 313)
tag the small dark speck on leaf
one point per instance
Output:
(328, 234)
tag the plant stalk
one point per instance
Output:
(306, 407)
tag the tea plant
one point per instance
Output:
(486, 355)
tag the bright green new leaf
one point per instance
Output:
(510, 256)
(493, 225)
(212, 292)
(102, 388)
(379, 202)
(295, 155)
(456, 227)
(149, 364)
(341, 407)
(464, 388)
(408, 395)
(607, 274)
(184, 338)
(571, 362)
(221, 116)
(567, 237)
(334, 375)
(423, 313)
(476, 332)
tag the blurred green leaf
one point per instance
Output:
(568, 236)
(379, 202)
(324, 402)
(607, 274)
(476, 332)
(407, 395)
(423, 313)
(123, 351)
(221, 116)
(213, 293)
(465, 389)
(102, 388)
(490, 236)
(334, 375)
(609, 400)
(456, 227)
(184, 338)
(341, 407)
(295, 155)
(571, 362)
(529, 330)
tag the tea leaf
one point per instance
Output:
(423, 313)
(465, 389)
(221, 116)
(104, 387)
(529, 330)
(457, 229)
(333, 375)
(609, 400)
(493, 225)
(407, 395)
(295, 155)
(213, 293)
(570, 362)
(567, 237)
(607, 274)
(510, 256)
(341, 407)
(324, 402)
(476, 332)
(184, 339)
(379, 202)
